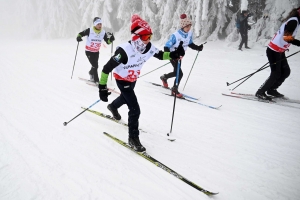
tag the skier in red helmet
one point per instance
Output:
(127, 63)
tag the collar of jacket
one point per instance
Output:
(96, 30)
(182, 33)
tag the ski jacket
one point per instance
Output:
(94, 39)
(243, 22)
(278, 43)
(131, 70)
(128, 64)
(178, 36)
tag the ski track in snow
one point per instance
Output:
(244, 150)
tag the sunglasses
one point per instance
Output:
(146, 37)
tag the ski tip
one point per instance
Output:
(216, 108)
(227, 83)
(211, 193)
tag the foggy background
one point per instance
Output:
(212, 19)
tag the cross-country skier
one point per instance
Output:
(183, 34)
(280, 69)
(127, 63)
(95, 35)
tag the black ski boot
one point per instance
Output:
(135, 143)
(114, 112)
(94, 75)
(263, 96)
(274, 93)
(91, 77)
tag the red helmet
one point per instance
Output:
(139, 27)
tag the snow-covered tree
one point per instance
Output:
(212, 19)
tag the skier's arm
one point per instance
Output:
(161, 55)
(119, 57)
(84, 33)
(288, 33)
(170, 42)
(81, 34)
(179, 52)
(193, 46)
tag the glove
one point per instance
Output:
(112, 37)
(79, 39)
(296, 42)
(200, 47)
(179, 52)
(166, 49)
(249, 28)
(103, 92)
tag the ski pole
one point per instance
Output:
(75, 60)
(252, 75)
(154, 70)
(111, 52)
(65, 123)
(260, 69)
(192, 67)
(176, 85)
(190, 70)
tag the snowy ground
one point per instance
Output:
(245, 150)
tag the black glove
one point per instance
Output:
(296, 42)
(250, 14)
(112, 38)
(103, 92)
(79, 39)
(249, 28)
(200, 47)
(178, 52)
(166, 49)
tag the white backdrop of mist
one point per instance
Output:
(212, 19)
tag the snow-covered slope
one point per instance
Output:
(244, 150)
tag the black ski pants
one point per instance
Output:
(128, 97)
(279, 71)
(93, 58)
(244, 39)
(173, 74)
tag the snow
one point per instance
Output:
(205, 9)
(244, 150)
(244, 5)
